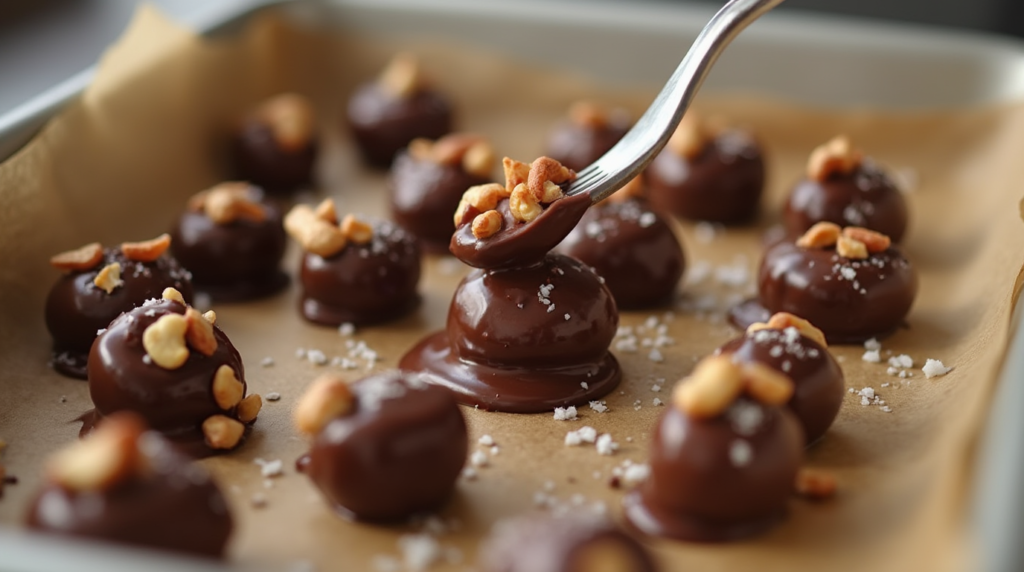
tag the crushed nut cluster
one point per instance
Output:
(402, 77)
(852, 242)
(783, 320)
(718, 381)
(319, 232)
(290, 118)
(473, 152)
(108, 278)
(328, 397)
(836, 156)
(104, 459)
(228, 202)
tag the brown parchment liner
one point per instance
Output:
(118, 165)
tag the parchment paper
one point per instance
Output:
(118, 165)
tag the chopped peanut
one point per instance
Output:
(632, 189)
(486, 224)
(690, 137)
(327, 212)
(545, 176)
(290, 118)
(356, 230)
(589, 114)
(228, 202)
(523, 205)
(249, 408)
(712, 387)
(401, 78)
(821, 235)
(479, 159)
(766, 385)
(222, 432)
(783, 320)
(313, 233)
(227, 390)
(146, 251)
(106, 457)
(450, 149)
(164, 341)
(84, 258)
(851, 248)
(199, 333)
(327, 397)
(516, 173)
(816, 484)
(836, 156)
(421, 149)
(109, 278)
(210, 316)
(481, 197)
(173, 295)
(873, 241)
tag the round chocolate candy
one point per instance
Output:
(99, 284)
(128, 485)
(232, 241)
(588, 133)
(276, 146)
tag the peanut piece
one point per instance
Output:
(109, 278)
(836, 156)
(249, 408)
(164, 341)
(783, 320)
(757, 326)
(173, 295)
(290, 118)
(851, 248)
(356, 230)
(712, 387)
(632, 189)
(479, 159)
(101, 460)
(821, 235)
(766, 385)
(401, 78)
(327, 397)
(326, 211)
(222, 432)
(210, 316)
(816, 484)
(148, 250)
(873, 241)
(690, 137)
(230, 201)
(313, 233)
(421, 149)
(482, 198)
(450, 149)
(516, 173)
(545, 176)
(199, 333)
(524, 205)
(589, 114)
(486, 224)
(84, 258)
(227, 390)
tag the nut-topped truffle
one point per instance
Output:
(171, 364)
(276, 146)
(385, 115)
(385, 448)
(589, 131)
(232, 240)
(126, 484)
(353, 270)
(708, 172)
(98, 285)
(427, 182)
(852, 283)
(845, 187)
(724, 458)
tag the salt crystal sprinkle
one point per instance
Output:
(740, 453)
(565, 413)
(605, 445)
(872, 356)
(934, 367)
(486, 440)
(598, 406)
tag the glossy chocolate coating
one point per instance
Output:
(363, 283)
(397, 454)
(575, 542)
(818, 381)
(176, 507)
(518, 243)
(261, 160)
(174, 402)
(425, 195)
(721, 184)
(702, 488)
(577, 146)
(383, 124)
(814, 285)
(867, 197)
(633, 248)
(76, 308)
(504, 350)
(232, 262)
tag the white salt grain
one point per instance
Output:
(934, 367)
(565, 413)
(486, 440)
(872, 356)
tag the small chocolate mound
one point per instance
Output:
(276, 146)
(588, 133)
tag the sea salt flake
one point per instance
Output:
(565, 413)
(656, 356)
(478, 459)
(933, 368)
(486, 440)
(740, 453)
(903, 361)
(872, 356)
(598, 406)
(872, 345)
(605, 445)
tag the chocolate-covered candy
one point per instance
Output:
(385, 448)
(232, 240)
(846, 188)
(385, 115)
(708, 174)
(796, 348)
(172, 366)
(575, 542)
(588, 133)
(128, 485)
(98, 285)
(354, 272)
(427, 182)
(276, 146)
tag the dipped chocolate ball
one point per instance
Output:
(275, 147)
(385, 448)
(846, 188)
(127, 485)
(387, 114)
(98, 285)
(173, 367)
(232, 240)
(708, 175)
(588, 133)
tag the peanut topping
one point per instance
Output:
(101, 460)
(836, 156)
(486, 224)
(712, 387)
(479, 159)
(164, 341)
(227, 390)
(173, 295)
(591, 114)
(227, 202)
(421, 149)
(327, 397)
(109, 278)
(516, 173)
(766, 385)
(222, 432)
(314, 233)
(821, 235)
(482, 198)
(545, 176)
(783, 320)
(199, 332)
(690, 137)
(402, 77)
(84, 258)
(851, 248)
(873, 241)
(249, 408)
(326, 211)
(210, 316)
(450, 149)
(146, 251)
(290, 118)
(356, 230)
(631, 190)
(523, 204)
(816, 484)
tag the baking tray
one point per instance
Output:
(826, 63)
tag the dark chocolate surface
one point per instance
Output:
(261, 160)
(384, 124)
(577, 146)
(76, 308)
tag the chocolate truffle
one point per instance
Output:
(427, 182)
(385, 448)
(708, 173)
(531, 332)
(846, 188)
(851, 283)
(724, 457)
(385, 115)
(129, 485)
(588, 133)
(575, 542)
(794, 347)
(276, 148)
(631, 246)
(98, 285)
(171, 365)
(354, 272)
(232, 241)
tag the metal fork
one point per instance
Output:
(650, 134)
